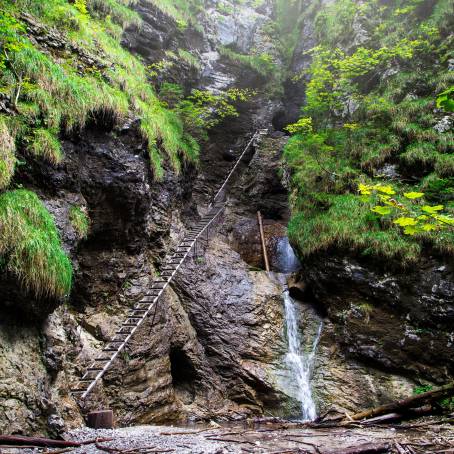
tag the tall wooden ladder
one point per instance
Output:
(148, 304)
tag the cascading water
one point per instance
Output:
(300, 356)
(300, 362)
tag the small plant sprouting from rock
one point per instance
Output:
(79, 220)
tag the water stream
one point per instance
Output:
(300, 362)
(301, 352)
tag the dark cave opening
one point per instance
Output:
(280, 121)
(184, 374)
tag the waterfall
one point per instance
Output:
(285, 259)
(299, 361)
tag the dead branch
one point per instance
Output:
(185, 433)
(312, 445)
(230, 440)
(410, 402)
(37, 442)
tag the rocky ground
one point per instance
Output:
(421, 437)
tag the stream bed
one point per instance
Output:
(270, 438)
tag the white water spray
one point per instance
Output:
(300, 362)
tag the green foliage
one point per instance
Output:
(79, 220)
(11, 39)
(30, 245)
(7, 155)
(202, 110)
(445, 100)
(302, 127)
(81, 6)
(407, 210)
(362, 117)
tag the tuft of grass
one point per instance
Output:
(31, 247)
(262, 64)
(46, 145)
(445, 165)
(189, 58)
(422, 155)
(7, 155)
(116, 10)
(183, 12)
(79, 220)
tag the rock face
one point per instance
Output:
(215, 347)
(401, 321)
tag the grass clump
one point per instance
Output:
(445, 165)
(7, 155)
(263, 63)
(117, 11)
(79, 220)
(30, 245)
(45, 144)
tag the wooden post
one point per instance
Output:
(100, 419)
(262, 237)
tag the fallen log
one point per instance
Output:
(409, 402)
(19, 440)
(362, 449)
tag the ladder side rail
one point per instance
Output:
(147, 313)
(226, 181)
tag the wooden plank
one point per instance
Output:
(262, 238)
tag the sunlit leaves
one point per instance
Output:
(432, 209)
(445, 100)
(382, 210)
(303, 126)
(406, 212)
(413, 195)
(404, 222)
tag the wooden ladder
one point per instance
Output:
(148, 304)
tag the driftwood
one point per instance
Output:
(405, 404)
(362, 449)
(18, 440)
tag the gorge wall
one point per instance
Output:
(215, 348)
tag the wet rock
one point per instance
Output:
(400, 321)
